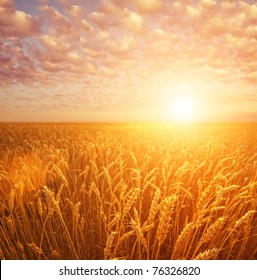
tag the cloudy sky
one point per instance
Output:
(117, 60)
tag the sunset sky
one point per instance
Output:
(117, 60)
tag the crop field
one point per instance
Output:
(128, 191)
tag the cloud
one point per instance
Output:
(55, 44)
(251, 77)
(16, 23)
(110, 8)
(124, 50)
(133, 21)
(7, 6)
(148, 6)
(75, 11)
(121, 45)
(109, 15)
(208, 3)
(56, 21)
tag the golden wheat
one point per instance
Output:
(134, 191)
(208, 254)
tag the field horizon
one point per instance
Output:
(164, 122)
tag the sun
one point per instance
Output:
(182, 108)
(184, 102)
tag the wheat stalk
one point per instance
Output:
(40, 207)
(166, 210)
(108, 246)
(137, 228)
(209, 254)
(131, 198)
(10, 225)
(11, 199)
(154, 206)
(246, 217)
(213, 230)
(180, 242)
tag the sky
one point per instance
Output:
(117, 60)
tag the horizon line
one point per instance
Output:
(129, 122)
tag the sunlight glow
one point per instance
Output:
(182, 108)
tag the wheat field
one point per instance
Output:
(128, 191)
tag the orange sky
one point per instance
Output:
(117, 60)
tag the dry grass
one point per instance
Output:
(128, 191)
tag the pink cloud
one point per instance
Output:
(16, 23)
(149, 6)
(121, 45)
(56, 21)
(55, 44)
(128, 46)
(7, 6)
(110, 15)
